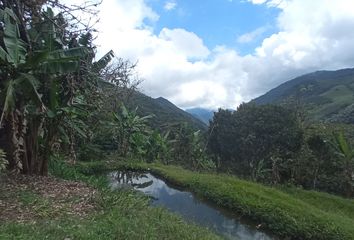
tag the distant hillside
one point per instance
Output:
(166, 113)
(327, 95)
(201, 113)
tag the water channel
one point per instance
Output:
(188, 205)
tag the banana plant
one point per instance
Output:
(25, 66)
(346, 152)
(158, 147)
(28, 70)
(127, 123)
(15, 49)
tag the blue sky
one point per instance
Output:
(218, 22)
(220, 53)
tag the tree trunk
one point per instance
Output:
(315, 178)
(349, 179)
(72, 148)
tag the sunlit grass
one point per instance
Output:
(120, 215)
(293, 213)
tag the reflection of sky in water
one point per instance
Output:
(187, 205)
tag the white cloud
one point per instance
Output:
(170, 5)
(187, 43)
(271, 3)
(257, 1)
(176, 64)
(251, 36)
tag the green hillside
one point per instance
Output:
(166, 114)
(327, 95)
(203, 114)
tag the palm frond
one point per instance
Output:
(103, 62)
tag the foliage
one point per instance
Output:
(275, 144)
(49, 83)
(319, 164)
(346, 152)
(158, 147)
(29, 67)
(256, 141)
(128, 128)
(168, 116)
(189, 149)
(134, 138)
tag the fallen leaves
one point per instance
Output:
(27, 198)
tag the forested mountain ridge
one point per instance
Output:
(165, 113)
(327, 95)
(201, 113)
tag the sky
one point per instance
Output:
(220, 53)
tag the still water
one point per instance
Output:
(187, 205)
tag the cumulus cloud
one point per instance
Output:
(170, 5)
(271, 3)
(251, 36)
(257, 1)
(187, 43)
(176, 64)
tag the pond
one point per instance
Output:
(188, 205)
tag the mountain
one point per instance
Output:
(166, 114)
(202, 114)
(327, 95)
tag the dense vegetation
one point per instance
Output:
(167, 115)
(273, 144)
(48, 83)
(63, 110)
(203, 114)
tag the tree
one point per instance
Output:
(188, 149)
(319, 148)
(28, 67)
(346, 152)
(256, 139)
(125, 125)
(158, 147)
(47, 78)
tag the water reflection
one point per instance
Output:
(187, 205)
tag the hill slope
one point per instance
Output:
(166, 113)
(327, 95)
(202, 114)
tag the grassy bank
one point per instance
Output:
(115, 215)
(289, 213)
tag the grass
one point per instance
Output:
(324, 201)
(123, 217)
(120, 215)
(290, 213)
(340, 96)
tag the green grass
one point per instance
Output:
(291, 213)
(340, 96)
(121, 215)
(124, 216)
(324, 201)
(339, 93)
